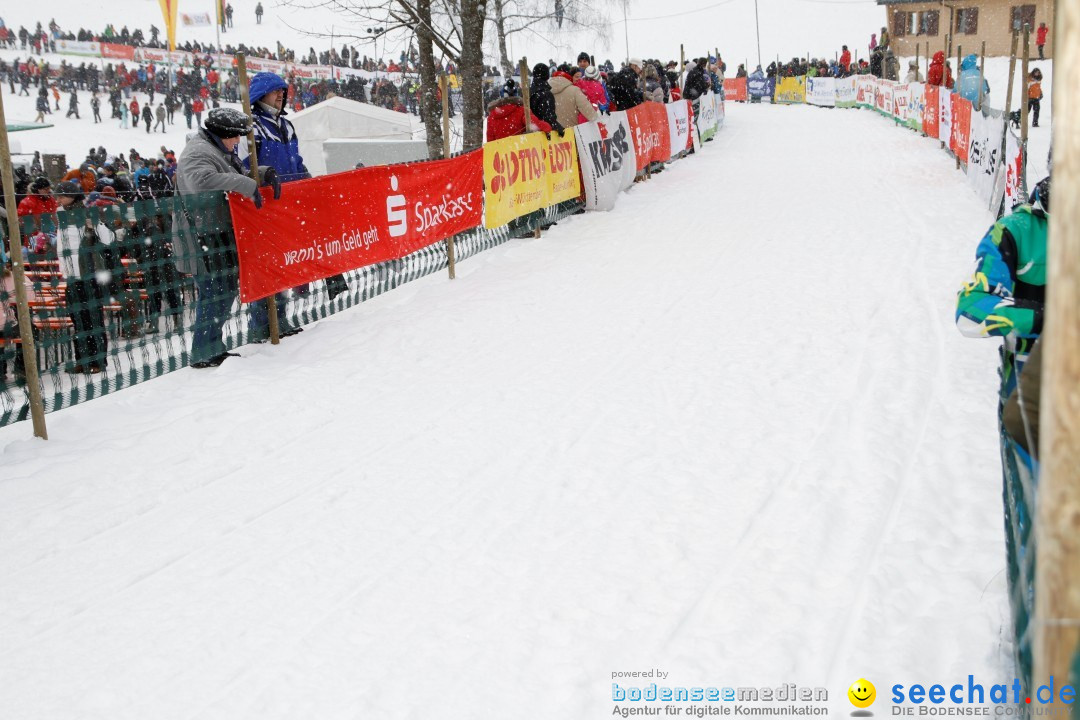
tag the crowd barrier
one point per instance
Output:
(185, 59)
(115, 292)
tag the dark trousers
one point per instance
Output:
(1033, 108)
(216, 294)
(1041, 52)
(84, 301)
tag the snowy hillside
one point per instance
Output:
(726, 433)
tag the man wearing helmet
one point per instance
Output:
(209, 163)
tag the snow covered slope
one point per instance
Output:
(727, 430)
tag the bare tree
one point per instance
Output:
(509, 17)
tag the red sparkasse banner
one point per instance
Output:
(652, 138)
(335, 223)
(117, 52)
(931, 118)
(961, 127)
(735, 89)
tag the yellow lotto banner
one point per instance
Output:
(525, 173)
(791, 90)
(564, 178)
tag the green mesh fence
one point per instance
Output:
(124, 293)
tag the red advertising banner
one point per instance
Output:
(117, 52)
(735, 89)
(335, 223)
(961, 127)
(931, 118)
(652, 139)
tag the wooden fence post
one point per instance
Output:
(1056, 624)
(982, 73)
(528, 110)
(26, 328)
(1024, 112)
(253, 161)
(444, 88)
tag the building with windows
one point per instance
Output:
(913, 23)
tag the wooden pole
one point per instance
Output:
(26, 329)
(918, 47)
(444, 87)
(1012, 78)
(253, 160)
(528, 110)
(1024, 112)
(1057, 527)
(982, 73)
(682, 62)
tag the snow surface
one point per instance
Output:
(727, 430)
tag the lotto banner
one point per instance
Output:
(821, 91)
(960, 133)
(846, 91)
(679, 118)
(117, 52)
(931, 110)
(866, 91)
(707, 118)
(652, 139)
(984, 154)
(761, 88)
(883, 98)
(525, 173)
(606, 154)
(391, 211)
(944, 115)
(791, 90)
(735, 89)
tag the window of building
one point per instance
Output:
(967, 21)
(929, 22)
(900, 23)
(916, 23)
(1023, 15)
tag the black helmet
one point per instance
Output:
(70, 188)
(40, 183)
(225, 122)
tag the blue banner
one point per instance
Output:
(761, 88)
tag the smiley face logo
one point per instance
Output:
(862, 693)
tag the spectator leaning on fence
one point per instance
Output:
(571, 105)
(276, 146)
(1005, 296)
(209, 163)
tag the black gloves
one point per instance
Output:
(257, 199)
(270, 179)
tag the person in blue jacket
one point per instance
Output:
(276, 146)
(967, 83)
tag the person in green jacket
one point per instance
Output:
(1004, 296)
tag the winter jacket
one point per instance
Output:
(37, 205)
(1040, 35)
(938, 74)
(276, 143)
(967, 83)
(541, 99)
(623, 89)
(595, 92)
(845, 60)
(696, 83)
(570, 103)
(205, 166)
(506, 117)
(1006, 293)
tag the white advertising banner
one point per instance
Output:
(75, 47)
(900, 102)
(1011, 175)
(984, 154)
(706, 119)
(885, 96)
(944, 115)
(916, 104)
(846, 90)
(866, 90)
(678, 114)
(821, 91)
(606, 153)
(195, 19)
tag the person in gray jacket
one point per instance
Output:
(209, 163)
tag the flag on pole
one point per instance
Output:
(168, 9)
(219, 6)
